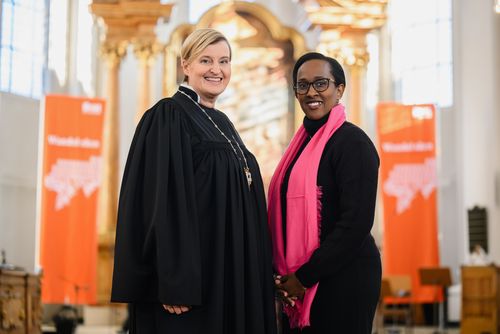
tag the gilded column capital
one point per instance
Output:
(146, 50)
(349, 57)
(113, 52)
(349, 48)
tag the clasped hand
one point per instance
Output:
(289, 288)
(177, 309)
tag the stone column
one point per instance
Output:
(145, 51)
(356, 94)
(170, 66)
(112, 53)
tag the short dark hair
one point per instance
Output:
(335, 67)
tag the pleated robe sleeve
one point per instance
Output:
(157, 251)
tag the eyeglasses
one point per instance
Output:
(320, 85)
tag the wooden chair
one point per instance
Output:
(395, 302)
(439, 277)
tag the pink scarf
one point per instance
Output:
(303, 209)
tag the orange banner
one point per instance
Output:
(407, 147)
(69, 187)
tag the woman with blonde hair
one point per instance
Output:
(192, 245)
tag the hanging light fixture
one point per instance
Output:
(497, 6)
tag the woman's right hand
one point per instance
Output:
(282, 294)
(177, 309)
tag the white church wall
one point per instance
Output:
(128, 105)
(450, 228)
(477, 106)
(19, 117)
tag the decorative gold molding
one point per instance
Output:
(12, 314)
(344, 25)
(129, 21)
(130, 14)
(354, 14)
(278, 31)
(146, 50)
(351, 58)
(348, 47)
(113, 52)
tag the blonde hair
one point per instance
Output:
(198, 41)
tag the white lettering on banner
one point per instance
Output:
(90, 108)
(67, 176)
(421, 112)
(405, 181)
(403, 147)
(73, 142)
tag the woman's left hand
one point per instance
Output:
(291, 284)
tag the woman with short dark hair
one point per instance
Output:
(321, 210)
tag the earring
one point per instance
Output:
(338, 101)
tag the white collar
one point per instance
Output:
(184, 84)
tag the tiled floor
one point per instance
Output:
(416, 330)
(97, 330)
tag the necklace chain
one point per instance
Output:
(246, 169)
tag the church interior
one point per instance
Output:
(437, 59)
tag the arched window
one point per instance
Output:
(23, 47)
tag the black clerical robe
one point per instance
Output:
(190, 231)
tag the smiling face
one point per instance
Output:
(209, 73)
(317, 104)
